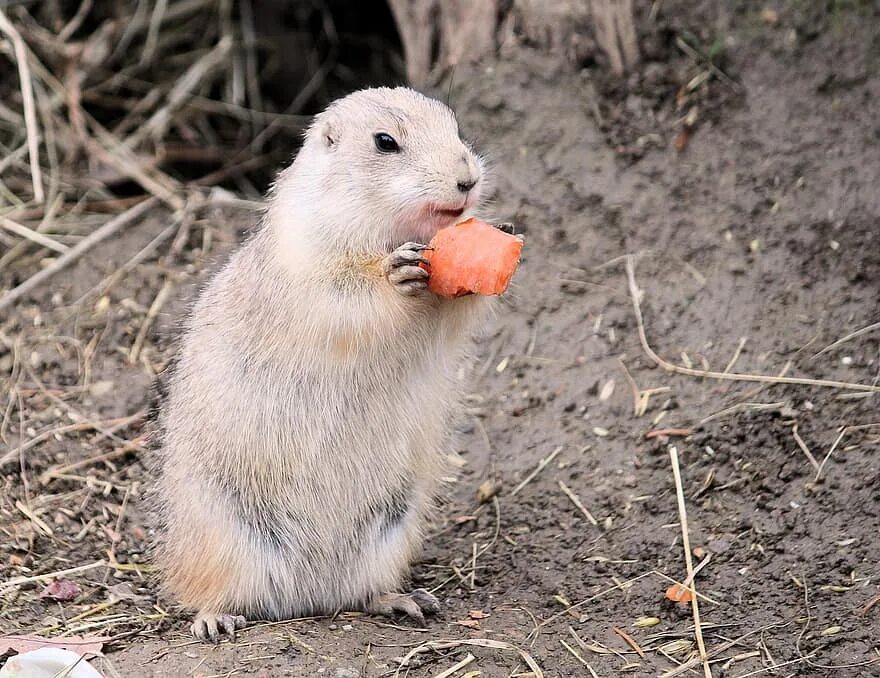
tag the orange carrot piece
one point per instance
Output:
(472, 257)
(679, 594)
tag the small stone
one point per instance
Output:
(769, 15)
(346, 673)
(486, 491)
(101, 388)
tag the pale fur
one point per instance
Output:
(310, 397)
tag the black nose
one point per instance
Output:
(465, 186)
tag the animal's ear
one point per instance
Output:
(329, 134)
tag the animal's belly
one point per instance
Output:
(335, 556)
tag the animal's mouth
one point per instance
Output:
(423, 226)
(452, 212)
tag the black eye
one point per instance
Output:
(386, 143)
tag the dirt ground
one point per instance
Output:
(757, 245)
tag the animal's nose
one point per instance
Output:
(465, 186)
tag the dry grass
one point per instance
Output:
(117, 115)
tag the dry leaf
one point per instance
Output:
(80, 644)
(682, 139)
(61, 589)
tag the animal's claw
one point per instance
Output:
(209, 627)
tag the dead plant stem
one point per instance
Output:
(729, 376)
(686, 543)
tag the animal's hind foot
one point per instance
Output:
(210, 627)
(414, 605)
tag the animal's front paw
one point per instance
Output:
(209, 627)
(403, 270)
(414, 605)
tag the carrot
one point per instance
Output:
(472, 257)
(679, 594)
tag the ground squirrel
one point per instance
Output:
(307, 413)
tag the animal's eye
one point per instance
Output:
(386, 143)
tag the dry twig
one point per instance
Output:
(825, 459)
(686, 543)
(32, 235)
(74, 253)
(729, 376)
(433, 645)
(806, 450)
(27, 97)
(843, 340)
(541, 464)
(577, 502)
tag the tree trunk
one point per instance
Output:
(616, 33)
(439, 34)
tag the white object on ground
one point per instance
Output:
(46, 663)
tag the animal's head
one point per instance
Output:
(384, 166)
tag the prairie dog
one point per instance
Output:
(304, 426)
